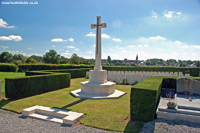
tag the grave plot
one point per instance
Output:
(184, 105)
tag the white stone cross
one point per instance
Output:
(98, 27)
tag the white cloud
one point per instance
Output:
(58, 40)
(70, 47)
(3, 47)
(196, 46)
(71, 39)
(116, 39)
(146, 45)
(29, 48)
(171, 14)
(177, 42)
(168, 14)
(4, 24)
(91, 34)
(94, 45)
(131, 46)
(139, 45)
(124, 51)
(76, 49)
(157, 38)
(185, 46)
(53, 46)
(154, 14)
(105, 36)
(102, 35)
(10, 38)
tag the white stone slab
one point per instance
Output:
(52, 114)
(79, 94)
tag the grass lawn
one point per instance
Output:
(110, 114)
(4, 75)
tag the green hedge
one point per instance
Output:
(33, 67)
(6, 67)
(75, 73)
(144, 99)
(192, 71)
(16, 88)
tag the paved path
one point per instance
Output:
(15, 123)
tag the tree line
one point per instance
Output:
(51, 57)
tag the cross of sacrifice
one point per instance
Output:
(98, 27)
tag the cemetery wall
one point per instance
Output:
(16, 88)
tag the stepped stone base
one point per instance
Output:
(53, 114)
(79, 94)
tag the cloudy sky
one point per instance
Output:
(150, 28)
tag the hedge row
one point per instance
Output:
(16, 88)
(34, 67)
(75, 73)
(6, 67)
(190, 70)
(144, 99)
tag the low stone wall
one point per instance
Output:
(130, 77)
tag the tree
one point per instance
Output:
(62, 60)
(6, 57)
(19, 58)
(37, 58)
(51, 57)
(74, 59)
(109, 60)
(31, 60)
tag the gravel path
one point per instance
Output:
(15, 123)
(168, 126)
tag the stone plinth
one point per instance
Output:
(97, 88)
(98, 77)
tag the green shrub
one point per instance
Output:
(33, 67)
(75, 73)
(16, 88)
(6, 67)
(144, 98)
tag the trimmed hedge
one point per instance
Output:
(192, 71)
(6, 67)
(33, 67)
(16, 88)
(75, 73)
(144, 99)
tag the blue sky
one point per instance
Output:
(149, 28)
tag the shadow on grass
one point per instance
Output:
(4, 102)
(134, 127)
(74, 103)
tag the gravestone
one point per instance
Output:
(187, 86)
(97, 87)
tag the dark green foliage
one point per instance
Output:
(16, 88)
(5, 67)
(191, 70)
(51, 57)
(144, 98)
(75, 73)
(33, 67)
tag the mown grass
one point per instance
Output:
(4, 75)
(110, 114)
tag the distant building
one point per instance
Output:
(136, 60)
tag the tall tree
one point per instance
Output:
(74, 59)
(31, 60)
(51, 57)
(6, 57)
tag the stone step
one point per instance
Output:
(53, 114)
(188, 108)
(178, 116)
(181, 111)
